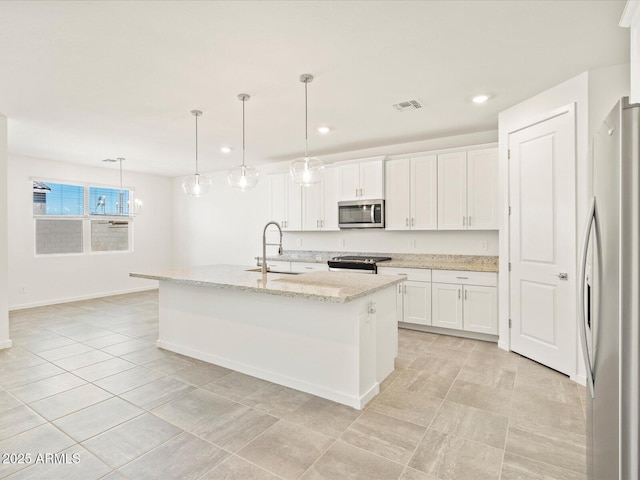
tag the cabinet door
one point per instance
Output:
(397, 195)
(452, 191)
(294, 204)
(417, 302)
(482, 189)
(329, 216)
(372, 179)
(349, 181)
(481, 309)
(312, 206)
(424, 193)
(447, 305)
(278, 198)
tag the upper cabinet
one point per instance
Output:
(468, 190)
(320, 203)
(411, 193)
(286, 201)
(361, 180)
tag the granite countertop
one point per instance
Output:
(470, 263)
(335, 287)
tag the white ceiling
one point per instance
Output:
(83, 81)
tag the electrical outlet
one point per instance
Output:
(412, 243)
(341, 243)
(22, 289)
(299, 241)
(484, 245)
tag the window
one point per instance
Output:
(66, 218)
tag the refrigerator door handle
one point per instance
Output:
(583, 314)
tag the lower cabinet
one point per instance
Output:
(450, 299)
(467, 301)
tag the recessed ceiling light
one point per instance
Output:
(225, 149)
(323, 130)
(480, 98)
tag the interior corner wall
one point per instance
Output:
(50, 279)
(5, 342)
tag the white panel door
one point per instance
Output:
(417, 302)
(452, 191)
(372, 179)
(480, 309)
(542, 242)
(278, 198)
(312, 204)
(424, 193)
(482, 189)
(329, 217)
(446, 304)
(398, 194)
(349, 181)
(294, 204)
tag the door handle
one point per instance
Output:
(412, 221)
(591, 219)
(458, 294)
(407, 221)
(465, 294)
(469, 220)
(464, 221)
(563, 276)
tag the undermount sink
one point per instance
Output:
(272, 271)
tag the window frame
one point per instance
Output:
(87, 217)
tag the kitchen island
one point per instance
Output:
(333, 335)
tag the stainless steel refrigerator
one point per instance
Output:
(610, 298)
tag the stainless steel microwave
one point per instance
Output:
(361, 214)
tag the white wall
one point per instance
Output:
(4, 249)
(594, 94)
(226, 225)
(60, 278)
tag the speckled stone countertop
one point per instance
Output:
(470, 263)
(336, 287)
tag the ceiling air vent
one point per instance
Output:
(408, 105)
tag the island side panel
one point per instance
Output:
(305, 344)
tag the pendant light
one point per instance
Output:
(122, 208)
(306, 171)
(243, 177)
(196, 185)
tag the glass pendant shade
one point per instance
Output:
(243, 177)
(196, 185)
(306, 171)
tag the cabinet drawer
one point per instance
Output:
(489, 279)
(414, 274)
(308, 267)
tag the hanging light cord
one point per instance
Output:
(243, 100)
(306, 120)
(196, 144)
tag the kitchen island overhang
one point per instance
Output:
(333, 335)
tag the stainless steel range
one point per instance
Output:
(356, 263)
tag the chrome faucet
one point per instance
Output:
(264, 245)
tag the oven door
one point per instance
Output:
(361, 214)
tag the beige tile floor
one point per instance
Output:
(84, 379)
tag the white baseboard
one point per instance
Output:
(6, 344)
(581, 379)
(90, 296)
(275, 377)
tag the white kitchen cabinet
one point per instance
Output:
(320, 203)
(452, 191)
(413, 303)
(286, 201)
(482, 189)
(447, 305)
(465, 301)
(361, 180)
(468, 190)
(411, 194)
(481, 309)
(306, 267)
